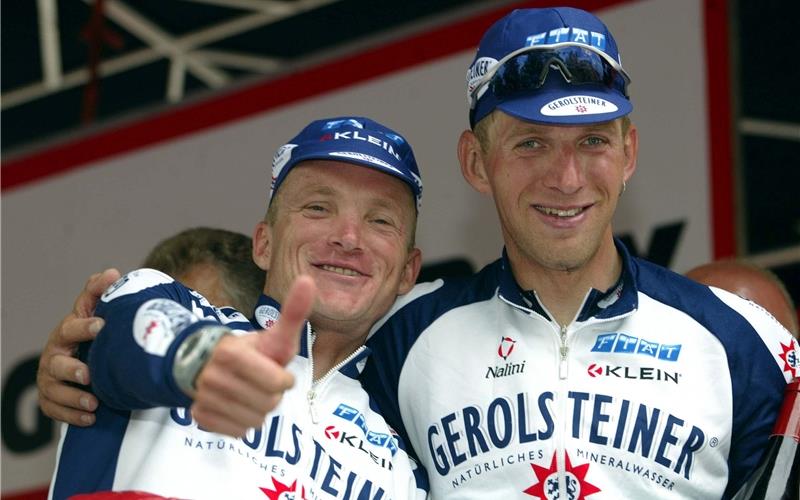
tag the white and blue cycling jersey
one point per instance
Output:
(145, 439)
(658, 388)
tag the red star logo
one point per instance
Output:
(281, 488)
(789, 357)
(547, 486)
(581, 108)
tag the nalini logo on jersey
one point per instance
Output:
(632, 373)
(506, 347)
(626, 344)
(504, 350)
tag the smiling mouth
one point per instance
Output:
(559, 212)
(340, 270)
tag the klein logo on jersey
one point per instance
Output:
(632, 373)
(378, 439)
(627, 344)
(355, 442)
(546, 486)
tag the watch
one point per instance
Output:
(193, 353)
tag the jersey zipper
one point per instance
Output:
(317, 385)
(563, 350)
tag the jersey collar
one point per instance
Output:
(268, 311)
(619, 300)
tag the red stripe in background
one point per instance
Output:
(35, 494)
(720, 130)
(395, 56)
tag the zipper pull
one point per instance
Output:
(563, 350)
(311, 408)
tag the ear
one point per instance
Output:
(410, 271)
(631, 151)
(262, 248)
(473, 168)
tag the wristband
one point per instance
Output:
(193, 353)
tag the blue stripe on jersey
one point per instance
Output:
(757, 387)
(88, 459)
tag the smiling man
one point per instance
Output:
(568, 368)
(341, 222)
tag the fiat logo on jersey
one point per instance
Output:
(506, 347)
(594, 370)
(331, 432)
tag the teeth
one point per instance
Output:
(558, 212)
(340, 270)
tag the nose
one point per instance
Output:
(346, 232)
(565, 173)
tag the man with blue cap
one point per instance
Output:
(340, 227)
(568, 368)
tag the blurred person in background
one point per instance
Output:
(753, 283)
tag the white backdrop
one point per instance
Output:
(57, 231)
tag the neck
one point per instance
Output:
(332, 346)
(562, 292)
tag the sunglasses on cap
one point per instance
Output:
(526, 69)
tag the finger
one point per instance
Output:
(65, 414)
(235, 358)
(212, 421)
(244, 391)
(64, 368)
(57, 394)
(282, 341)
(93, 290)
(232, 411)
(215, 412)
(73, 330)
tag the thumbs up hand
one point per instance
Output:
(246, 376)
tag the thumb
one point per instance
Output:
(281, 342)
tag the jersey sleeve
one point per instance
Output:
(147, 315)
(760, 373)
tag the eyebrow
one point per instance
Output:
(377, 201)
(534, 128)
